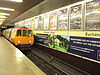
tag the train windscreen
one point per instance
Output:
(24, 33)
(19, 33)
(29, 32)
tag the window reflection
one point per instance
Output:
(24, 32)
(30, 33)
(92, 21)
(19, 33)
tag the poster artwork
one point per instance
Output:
(63, 20)
(53, 21)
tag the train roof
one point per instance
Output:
(21, 28)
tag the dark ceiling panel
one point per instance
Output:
(19, 8)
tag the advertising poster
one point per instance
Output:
(16, 25)
(42, 39)
(28, 23)
(98, 54)
(36, 23)
(40, 23)
(92, 21)
(87, 47)
(53, 20)
(24, 23)
(20, 24)
(75, 17)
(82, 46)
(58, 42)
(32, 24)
(63, 19)
(46, 21)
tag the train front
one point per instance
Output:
(24, 39)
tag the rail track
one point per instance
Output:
(51, 65)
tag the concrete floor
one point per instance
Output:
(13, 61)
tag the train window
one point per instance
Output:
(29, 32)
(19, 33)
(24, 32)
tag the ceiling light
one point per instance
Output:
(9, 9)
(3, 17)
(16, 0)
(4, 14)
(1, 21)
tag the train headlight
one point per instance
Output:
(30, 41)
(18, 41)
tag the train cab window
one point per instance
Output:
(29, 32)
(19, 33)
(24, 32)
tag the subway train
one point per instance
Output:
(21, 37)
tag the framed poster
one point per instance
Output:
(16, 24)
(28, 21)
(53, 20)
(19, 25)
(40, 23)
(76, 17)
(36, 23)
(46, 21)
(32, 24)
(63, 19)
(92, 20)
(22, 23)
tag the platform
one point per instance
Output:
(14, 62)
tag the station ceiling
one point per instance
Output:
(17, 8)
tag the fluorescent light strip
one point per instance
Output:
(4, 14)
(3, 17)
(16, 0)
(92, 12)
(80, 15)
(88, 0)
(9, 9)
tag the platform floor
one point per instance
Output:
(14, 62)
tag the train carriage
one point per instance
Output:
(21, 37)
